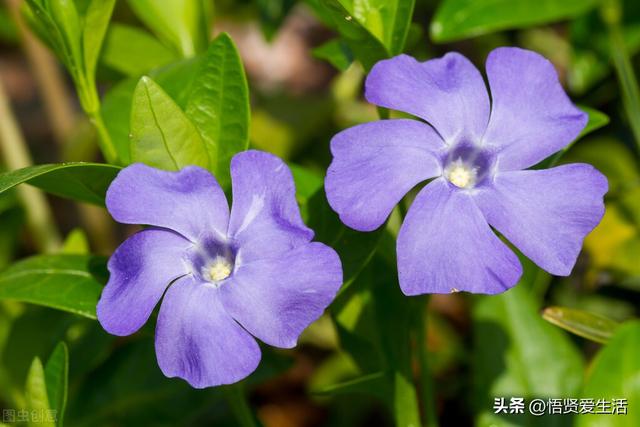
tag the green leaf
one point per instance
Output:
(183, 24)
(218, 105)
(36, 391)
(96, 22)
(518, 354)
(67, 20)
(597, 119)
(336, 52)
(161, 134)
(133, 51)
(460, 19)
(615, 373)
(174, 78)
(588, 325)
(86, 182)
(66, 282)
(273, 14)
(42, 22)
(308, 182)
(387, 20)
(56, 373)
(364, 45)
(367, 384)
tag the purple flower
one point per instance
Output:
(475, 148)
(230, 275)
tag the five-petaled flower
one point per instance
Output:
(230, 275)
(475, 150)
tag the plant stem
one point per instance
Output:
(612, 13)
(426, 381)
(16, 155)
(104, 139)
(239, 404)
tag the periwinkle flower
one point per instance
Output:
(475, 150)
(230, 275)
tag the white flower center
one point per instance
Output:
(461, 174)
(219, 269)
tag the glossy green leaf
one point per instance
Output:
(174, 78)
(41, 20)
(336, 52)
(387, 20)
(161, 134)
(87, 182)
(65, 282)
(36, 391)
(96, 22)
(218, 105)
(518, 354)
(364, 45)
(133, 51)
(183, 24)
(65, 15)
(615, 373)
(588, 325)
(56, 373)
(459, 19)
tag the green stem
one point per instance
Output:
(237, 400)
(15, 153)
(104, 139)
(426, 381)
(612, 13)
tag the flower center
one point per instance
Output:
(460, 174)
(217, 270)
(212, 261)
(467, 166)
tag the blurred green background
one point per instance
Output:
(305, 62)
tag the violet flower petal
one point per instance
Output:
(198, 341)
(189, 201)
(546, 213)
(447, 92)
(141, 269)
(375, 164)
(276, 299)
(531, 115)
(445, 245)
(265, 218)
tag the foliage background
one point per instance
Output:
(80, 98)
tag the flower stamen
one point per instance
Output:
(461, 174)
(218, 270)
